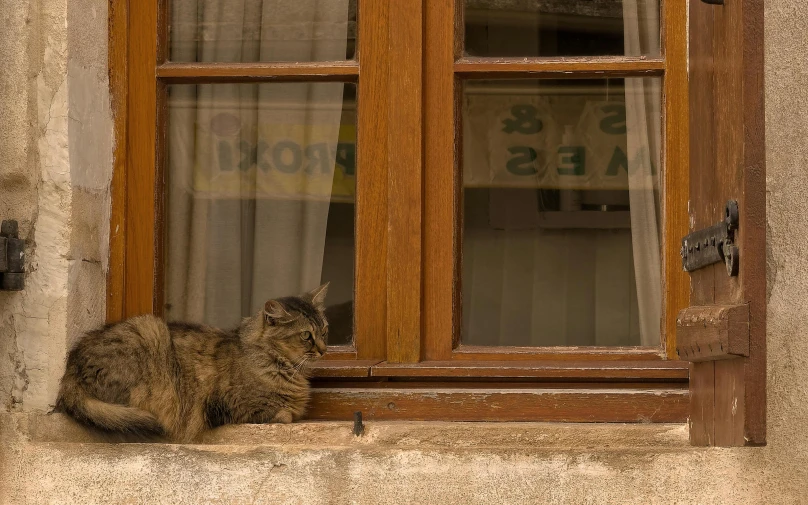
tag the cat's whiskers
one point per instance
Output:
(296, 363)
(299, 366)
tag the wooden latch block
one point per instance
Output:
(712, 332)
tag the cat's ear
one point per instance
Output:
(317, 296)
(274, 313)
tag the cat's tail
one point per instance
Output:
(74, 400)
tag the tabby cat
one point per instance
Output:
(147, 377)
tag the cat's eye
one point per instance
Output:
(306, 335)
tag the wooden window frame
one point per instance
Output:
(407, 362)
(728, 161)
(446, 66)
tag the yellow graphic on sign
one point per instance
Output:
(274, 160)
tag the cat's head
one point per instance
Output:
(295, 326)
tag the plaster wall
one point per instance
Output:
(58, 63)
(56, 152)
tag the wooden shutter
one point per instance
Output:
(723, 332)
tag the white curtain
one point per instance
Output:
(249, 174)
(643, 124)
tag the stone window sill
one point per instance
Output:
(421, 435)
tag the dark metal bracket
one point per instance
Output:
(12, 257)
(714, 244)
(359, 426)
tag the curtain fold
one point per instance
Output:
(643, 124)
(250, 165)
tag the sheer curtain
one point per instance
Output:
(643, 125)
(247, 214)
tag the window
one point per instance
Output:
(492, 189)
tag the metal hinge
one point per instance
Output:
(714, 244)
(12, 257)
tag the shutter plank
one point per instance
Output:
(702, 133)
(753, 219)
(702, 285)
(728, 161)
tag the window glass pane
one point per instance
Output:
(260, 199)
(561, 227)
(562, 28)
(262, 30)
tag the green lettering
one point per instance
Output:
(225, 156)
(523, 161)
(615, 122)
(346, 157)
(259, 156)
(574, 159)
(318, 156)
(247, 153)
(291, 166)
(619, 159)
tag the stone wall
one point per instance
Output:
(55, 168)
(55, 162)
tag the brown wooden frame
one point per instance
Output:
(446, 67)
(728, 161)
(406, 362)
(138, 62)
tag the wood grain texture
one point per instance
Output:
(341, 352)
(161, 162)
(370, 291)
(321, 71)
(702, 134)
(713, 332)
(404, 159)
(728, 149)
(442, 246)
(503, 353)
(727, 155)
(676, 171)
(595, 67)
(559, 405)
(540, 370)
(141, 159)
(702, 403)
(753, 220)
(118, 83)
(342, 368)
(730, 403)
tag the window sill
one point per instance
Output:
(549, 391)
(421, 435)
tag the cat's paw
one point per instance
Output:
(282, 417)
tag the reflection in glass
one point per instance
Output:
(561, 212)
(531, 28)
(261, 184)
(262, 30)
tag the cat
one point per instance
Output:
(146, 377)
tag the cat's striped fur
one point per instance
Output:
(147, 377)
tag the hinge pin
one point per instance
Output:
(715, 244)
